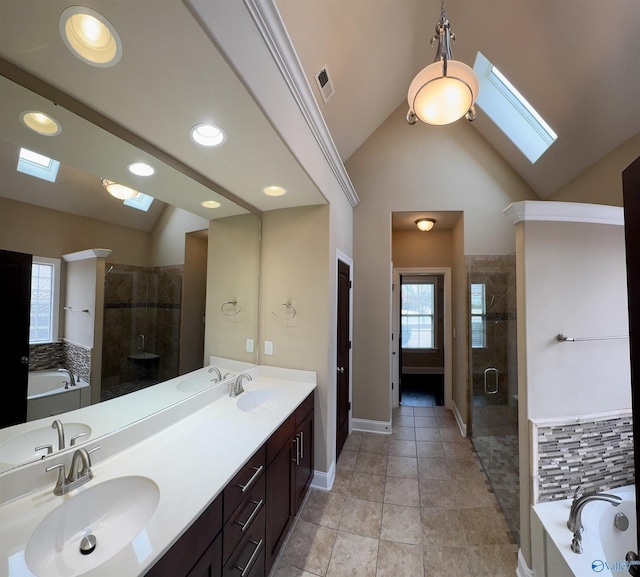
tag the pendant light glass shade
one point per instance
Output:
(120, 191)
(438, 99)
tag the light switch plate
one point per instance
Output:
(268, 347)
(249, 346)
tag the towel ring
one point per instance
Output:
(290, 312)
(230, 312)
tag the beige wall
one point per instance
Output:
(51, 233)
(295, 269)
(410, 168)
(233, 266)
(601, 183)
(421, 249)
(168, 235)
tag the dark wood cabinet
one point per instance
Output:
(242, 531)
(289, 475)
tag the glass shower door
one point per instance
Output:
(493, 368)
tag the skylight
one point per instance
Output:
(511, 112)
(139, 201)
(37, 165)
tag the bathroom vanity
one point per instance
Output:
(208, 486)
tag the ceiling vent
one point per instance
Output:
(324, 84)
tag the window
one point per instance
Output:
(45, 300)
(511, 112)
(478, 317)
(417, 318)
(140, 201)
(37, 165)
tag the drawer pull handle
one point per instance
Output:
(251, 481)
(248, 522)
(247, 568)
(301, 445)
(297, 457)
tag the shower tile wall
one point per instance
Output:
(141, 300)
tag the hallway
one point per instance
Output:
(412, 504)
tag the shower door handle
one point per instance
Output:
(494, 390)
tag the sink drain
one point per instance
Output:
(88, 544)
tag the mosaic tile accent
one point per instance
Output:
(597, 454)
(77, 359)
(46, 356)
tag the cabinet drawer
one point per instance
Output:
(248, 558)
(243, 518)
(304, 409)
(240, 486)
(280, 438)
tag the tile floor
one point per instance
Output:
(412, 504)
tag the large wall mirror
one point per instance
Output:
(163, 269)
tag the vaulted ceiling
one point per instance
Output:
(576, 62)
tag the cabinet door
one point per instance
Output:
(210, 564)
(279, 504)
(304, 467)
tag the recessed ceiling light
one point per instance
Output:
(90, 36)
(40, 122)
(207, 135)
(118, 190)
(141, 169)
(274, 190)
(211, 204)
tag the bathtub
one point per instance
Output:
(47, 396)
(604, 546)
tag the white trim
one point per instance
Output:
(461, 424)
(368, 426)
(523, 569)
(448, 323)
(586, 418)
(85, 254)
(324, 481)
(269, 23)
(550, 211)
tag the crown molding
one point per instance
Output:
(85, 254)
(267, 18)
(550, 211)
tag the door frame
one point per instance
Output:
(340, 256)
(448, 329)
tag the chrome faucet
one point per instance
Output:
(575, 515)
(216, 370)
(235, 387)
(71, 382)
(79, 472)
(57, 424)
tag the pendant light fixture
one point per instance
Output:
(446, 90)
(425, 224)
(120, 191)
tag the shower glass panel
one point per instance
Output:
(493, 367)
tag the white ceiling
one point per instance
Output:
(576, 62)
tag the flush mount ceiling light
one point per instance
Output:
(40, 122)
(274, 190)
(207, 135)
(118, 190)
(446, 90)
(90, 36)
(141, 169)
(425, 224)
(211, 204)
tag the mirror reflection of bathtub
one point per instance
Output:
(49, 394)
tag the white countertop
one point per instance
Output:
(190, 460)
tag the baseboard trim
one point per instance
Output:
(523, 569)
(324, 481)
(461, 424)
(382, 427)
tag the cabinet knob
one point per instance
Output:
(24, 360)
(341, 370)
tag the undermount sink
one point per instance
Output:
(262, 400)
(114, 512)
(21, 449)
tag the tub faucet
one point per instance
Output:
(235, 387)
(57, 424)
(575, 516)
(72, 381)
(216, 370)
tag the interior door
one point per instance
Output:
(631, 202)
(343, 367)
(15, 294)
